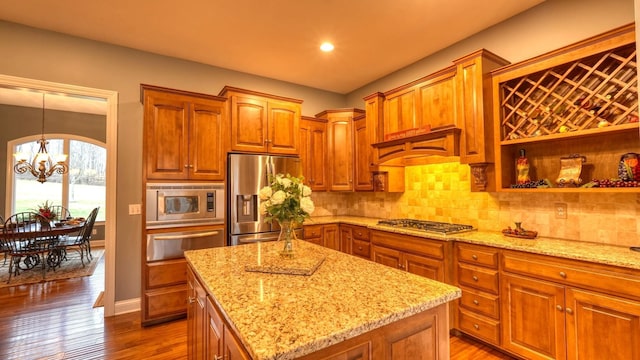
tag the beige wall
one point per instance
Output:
(440, 192)
(36, 54)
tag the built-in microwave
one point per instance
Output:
(183, 204)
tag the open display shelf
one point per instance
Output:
(581, 99)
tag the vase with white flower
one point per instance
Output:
(287, 200)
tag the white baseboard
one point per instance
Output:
(127, 306)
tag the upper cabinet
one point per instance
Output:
(574, 112)
(184, 135)
(263, 123)
(313, 152)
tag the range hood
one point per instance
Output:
(418, 149)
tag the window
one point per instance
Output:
(80, 190)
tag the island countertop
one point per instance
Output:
(284, 316)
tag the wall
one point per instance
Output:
(43, 55)
(440, 192)
(36, 54)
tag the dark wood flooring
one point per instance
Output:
(56, 320)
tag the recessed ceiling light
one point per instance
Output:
(326, 47)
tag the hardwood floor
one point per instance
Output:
(56, 320)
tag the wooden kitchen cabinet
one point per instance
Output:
(196, 315)
(564, 309)
(313, 152)
(184, 135)
(355, 240)
(410, 253)
(340, 148)
(331, 236)
(263, 123)
(362, 155)
(581, 99)
(313, 234)
(476, 273)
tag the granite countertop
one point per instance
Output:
(578, 250)
(282, 316)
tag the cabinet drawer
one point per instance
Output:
(360, 233)
(166, 273)
(478, 278)
(481, 303)
(622, 282)
(478, 255)
(408, 243)
(166, 302)
(312, 231)
(480, 327)
(361, 248)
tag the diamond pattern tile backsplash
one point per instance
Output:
(440, 192)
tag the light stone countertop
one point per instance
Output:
(578, 250)
(281, 316)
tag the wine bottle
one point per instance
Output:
(522, 168)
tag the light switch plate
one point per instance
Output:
(560, 210)
(135, 209)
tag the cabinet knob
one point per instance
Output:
(476, 326)
(569, 311)
(559, 307)
(359, 233)
(360, 248)
(191, 300)
(475, 278)
(476, 302)
(266, 141)
(563, 274)
(474, 257)
(186, 166)
(218, 357)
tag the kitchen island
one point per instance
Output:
(348, 306)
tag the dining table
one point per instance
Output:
(48, 235)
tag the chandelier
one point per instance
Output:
(42, 165)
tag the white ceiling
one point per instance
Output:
(277, 39)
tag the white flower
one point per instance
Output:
(265, 193)
(284, 182)
(306, 191)
(278, 197)
(307, 205)
(263, 207)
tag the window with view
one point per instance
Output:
(80, 190)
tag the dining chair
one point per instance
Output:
(26, 246)
(82, 241)
(61, 212)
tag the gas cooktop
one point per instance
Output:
(430, 226)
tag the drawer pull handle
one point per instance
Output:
(216, 357)
(191, 300)
(360, 248)
(559, 307)
(475, 278)
(474, 257)
(476, 302)
(569, 311)
(563, 274)
(476, 326)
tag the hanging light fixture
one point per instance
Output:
(42, 166)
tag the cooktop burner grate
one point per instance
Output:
(431, 226)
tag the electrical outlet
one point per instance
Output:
(94, 232)
(135, 209)
(561, 210)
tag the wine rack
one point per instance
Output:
(578, 100)
(591, 93)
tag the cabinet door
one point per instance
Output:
(233, 349)
(214, 333)
(533, 318)
(400, 111)
(313, 153)
(196, 312)
(346, 239)
(207, 150)
(363, 156)
(386, 256)
(437, 102)
(331, 236)
(248, 124)
(341, 154)
(283, 119)
(166, 127)
(601, 326)
(424, 266)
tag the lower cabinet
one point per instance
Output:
(416, 255)
(331, 236)
(164, 291)
(354, 240)
(209, 338)
(559, 309)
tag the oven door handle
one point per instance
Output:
(185, 236)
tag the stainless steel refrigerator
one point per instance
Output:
(246, 175)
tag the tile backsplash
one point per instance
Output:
(440, 192)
